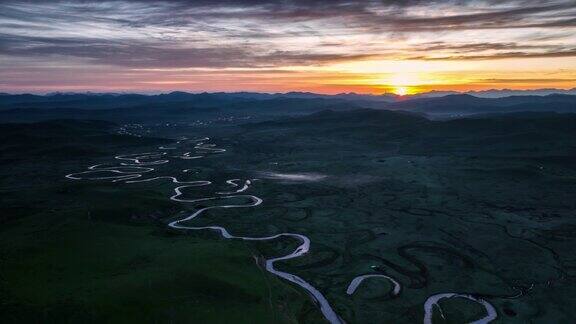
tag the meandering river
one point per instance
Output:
(133, 168)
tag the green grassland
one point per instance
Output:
(93, 252)
(478, 206)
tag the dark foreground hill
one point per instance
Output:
(174, 109)
(468, 104)
(187, 107)
(63, 139)
(525, 133)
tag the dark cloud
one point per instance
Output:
(501, 55)
(379, 16)
(479, 47)
(491, 51)
(264, 33)
(495, 19)
(144, 55)
(391, 14)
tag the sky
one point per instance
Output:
(332, 46)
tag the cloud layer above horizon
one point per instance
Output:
(326, 46)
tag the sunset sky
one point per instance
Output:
(277, 46)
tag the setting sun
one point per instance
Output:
(403, 84)
(401, 91)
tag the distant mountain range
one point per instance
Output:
(93, 100)
(387, 97)
(498, 93)
(120, 107)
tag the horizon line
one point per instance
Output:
(389, 94)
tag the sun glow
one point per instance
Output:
(404, 77)
(403, 84)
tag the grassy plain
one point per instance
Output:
(478, 206)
